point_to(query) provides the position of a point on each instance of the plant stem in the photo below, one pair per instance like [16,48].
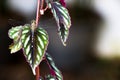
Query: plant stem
[37,73]
[39,7]
[37,21]
[38,13]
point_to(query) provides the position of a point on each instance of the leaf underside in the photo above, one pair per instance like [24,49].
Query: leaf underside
[33,43]
[63,20]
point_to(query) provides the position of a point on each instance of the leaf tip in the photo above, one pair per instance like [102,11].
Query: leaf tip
[33,70]
[64,44]
[11,49]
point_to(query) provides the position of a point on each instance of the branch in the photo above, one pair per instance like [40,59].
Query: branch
[39,7]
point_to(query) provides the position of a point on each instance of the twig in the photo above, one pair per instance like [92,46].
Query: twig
[39,7]
[38,13]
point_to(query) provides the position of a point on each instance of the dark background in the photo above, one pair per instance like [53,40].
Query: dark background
[77,61]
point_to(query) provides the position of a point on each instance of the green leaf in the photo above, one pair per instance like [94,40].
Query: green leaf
[32,40]
[16,46]
[34,45]
[50,77]
[63,20]
[15,34]
[57,74]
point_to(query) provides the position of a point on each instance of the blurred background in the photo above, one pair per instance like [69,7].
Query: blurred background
[93,47]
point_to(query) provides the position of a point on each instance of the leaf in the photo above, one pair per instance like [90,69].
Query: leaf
[63,20]
[16,46]
[57,74]
[32,40]
[50,77]
[15,34]
[34,45]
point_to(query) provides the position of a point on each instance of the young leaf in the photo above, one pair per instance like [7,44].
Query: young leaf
[57,73]
[15,34]
[63,20]
[34,45]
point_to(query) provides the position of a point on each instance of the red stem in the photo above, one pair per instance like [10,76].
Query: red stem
[42,4]
[37,21]
[39,7]
[38,13]
[37,73]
